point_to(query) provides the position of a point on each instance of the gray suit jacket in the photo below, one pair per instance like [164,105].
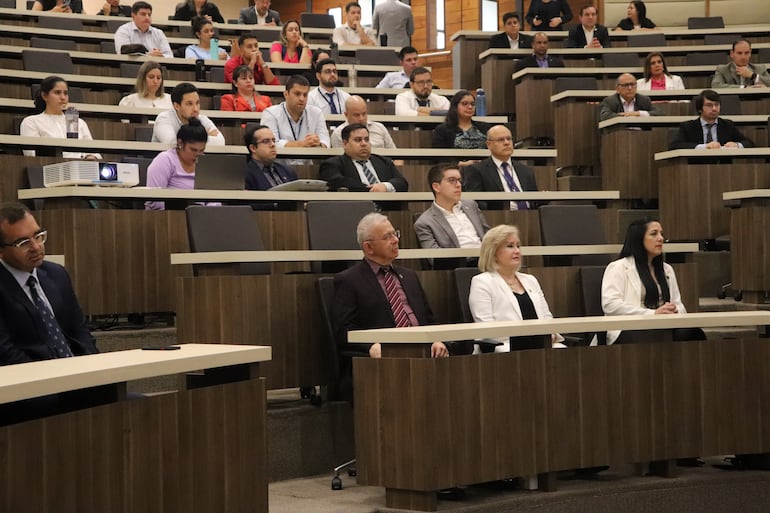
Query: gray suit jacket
[725,75]
[434,231]
[612,106]
[394,19]
[248,16]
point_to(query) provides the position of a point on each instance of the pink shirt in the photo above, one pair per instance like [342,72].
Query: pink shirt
[278,47]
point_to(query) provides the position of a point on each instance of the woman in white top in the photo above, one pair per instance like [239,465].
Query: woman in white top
[502,293]
[656,75]
[641,283]
[149,89]
[48,121]
[203,29]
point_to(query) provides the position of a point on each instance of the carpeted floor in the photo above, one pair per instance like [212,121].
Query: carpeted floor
[618,490]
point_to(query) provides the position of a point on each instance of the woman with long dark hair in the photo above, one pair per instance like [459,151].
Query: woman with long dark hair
[636,17]
[656,75]
[48,121]
[192,8]
[459,129]
[640,282]
[203,29]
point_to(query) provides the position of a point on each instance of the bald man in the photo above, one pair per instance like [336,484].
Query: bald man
[626,101]
[356,112]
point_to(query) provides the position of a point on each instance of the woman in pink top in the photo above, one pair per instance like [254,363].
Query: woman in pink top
[292,47]
[656,75]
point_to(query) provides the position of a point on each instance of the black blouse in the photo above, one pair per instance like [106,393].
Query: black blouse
[186,13]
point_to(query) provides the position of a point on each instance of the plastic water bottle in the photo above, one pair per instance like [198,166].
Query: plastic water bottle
[214,49]
[71,118]
[335,52]
[481,102]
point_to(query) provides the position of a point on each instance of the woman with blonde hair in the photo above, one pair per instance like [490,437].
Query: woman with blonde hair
[503,293]
[292,47]
[149,89]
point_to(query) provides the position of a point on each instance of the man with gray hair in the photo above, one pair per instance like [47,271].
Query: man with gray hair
[626,101]
[376,294]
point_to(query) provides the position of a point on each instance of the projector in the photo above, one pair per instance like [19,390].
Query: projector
[91,172]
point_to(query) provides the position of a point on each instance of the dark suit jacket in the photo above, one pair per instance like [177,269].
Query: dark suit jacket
[444,135]
[248,16]
[22,338]
[691,134]
[531,62]
[184,12]
[612,106]
[483,177]
[340,171]
[255,175]
[501,41]
[360,302]
[577,38]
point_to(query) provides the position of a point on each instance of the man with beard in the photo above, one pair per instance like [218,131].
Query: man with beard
[327,96]
[419,100]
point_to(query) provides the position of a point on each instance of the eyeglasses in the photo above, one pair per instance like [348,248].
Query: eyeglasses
[388,236]
[628,85]
[454,180]
[264,141]
[25,244]
[423,82]
[501,139]
[329,72]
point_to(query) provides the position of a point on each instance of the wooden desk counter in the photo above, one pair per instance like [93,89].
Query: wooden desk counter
[749,243]
[200,449]
[691,183]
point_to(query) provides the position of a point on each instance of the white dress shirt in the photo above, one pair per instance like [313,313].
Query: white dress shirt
[406,103]
[501,176]
[167,124]
[379,136]
[394,80]
[54,126]
[318,97]
[345,35]
[134,100]
[461,225]
[285,129]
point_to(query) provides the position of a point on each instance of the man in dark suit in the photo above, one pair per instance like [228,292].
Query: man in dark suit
[539,57]
[259,14]
[263,172]
[497,173]
[709,131]
[626,101]
[374,293]
[510,38]
[588,34]
[27,285]
[358,170]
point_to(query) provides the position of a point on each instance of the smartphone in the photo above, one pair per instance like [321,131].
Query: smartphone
[160,348]
[66,3]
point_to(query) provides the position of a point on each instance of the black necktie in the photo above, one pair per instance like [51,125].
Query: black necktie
[332,105]
[423,103]
[709,137]
[54,336]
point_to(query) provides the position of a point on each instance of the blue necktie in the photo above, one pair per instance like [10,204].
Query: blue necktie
[54,336]
[331,103]
[520,205]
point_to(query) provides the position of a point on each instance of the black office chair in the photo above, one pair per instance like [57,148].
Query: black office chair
[49,62]
[720,39]
[340,362]
[316,20]
[562,225]
[376,56]
[143,133]
[711,22]
[114,24]
[562,84]
[332,225]
[463,277]
[129,69]
[107,47]
[60,22]
[620,60]
[35,180]
[656,39]
[8,4]
[52,44]
[705,59]
[591,288]
[230,228]
[76,94]
[217,75]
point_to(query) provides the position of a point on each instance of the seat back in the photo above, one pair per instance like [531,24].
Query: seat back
[107,47]
[35,179]
[113,24]
[620,60]
[227,228]
[217,75]
[720,39]
[564,225]
[143,133]
[332,225]
[49,62]
[709,22]
[730,105]
[463,277]
[76,94]
[8,4]
[52,44]
[656,39]
[705,59]
[334,389]
[376,56]
[129,69]
[763,55]
[575,83]
[591,288]
[60,22]
[316,20]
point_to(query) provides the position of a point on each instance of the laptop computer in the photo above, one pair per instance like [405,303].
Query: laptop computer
[303,184]
[221,172]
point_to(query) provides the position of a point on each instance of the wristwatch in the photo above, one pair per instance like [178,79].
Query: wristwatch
[753,77]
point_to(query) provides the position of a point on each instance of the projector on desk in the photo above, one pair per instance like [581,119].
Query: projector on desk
[91,172]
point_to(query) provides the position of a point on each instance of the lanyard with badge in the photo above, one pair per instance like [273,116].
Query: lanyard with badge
[291,123]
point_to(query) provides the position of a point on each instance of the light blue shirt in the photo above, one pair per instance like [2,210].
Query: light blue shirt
[21,278]
[394,80]
[285,129]
[129,34]
[196,52]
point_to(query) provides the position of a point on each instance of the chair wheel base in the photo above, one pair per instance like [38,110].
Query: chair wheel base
[352,472]
[336,483]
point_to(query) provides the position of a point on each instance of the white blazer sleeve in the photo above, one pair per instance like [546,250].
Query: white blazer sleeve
[617,293]
[482,301]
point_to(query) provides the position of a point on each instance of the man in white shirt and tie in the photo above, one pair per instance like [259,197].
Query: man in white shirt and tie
[498,173]
[327,96]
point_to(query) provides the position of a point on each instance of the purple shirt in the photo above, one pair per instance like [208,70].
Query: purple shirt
[166,172]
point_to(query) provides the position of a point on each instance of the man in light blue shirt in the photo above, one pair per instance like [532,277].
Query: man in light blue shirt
[140,31]
[400,79]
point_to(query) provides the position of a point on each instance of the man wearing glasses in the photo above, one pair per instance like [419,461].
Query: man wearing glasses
[419,100]
[327,96]
[374,293]
[40,318]
[497,172]
[626,101]
[263,172]
[451,222]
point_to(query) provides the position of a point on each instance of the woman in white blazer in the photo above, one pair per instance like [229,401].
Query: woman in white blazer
[656,75]
[501,292]
[641,283]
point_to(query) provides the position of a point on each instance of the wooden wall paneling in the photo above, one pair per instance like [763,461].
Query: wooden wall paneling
[749,247]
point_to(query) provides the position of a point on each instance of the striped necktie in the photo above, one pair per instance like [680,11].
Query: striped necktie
[520,205]
[54,336]
[394,298]
[370,176]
